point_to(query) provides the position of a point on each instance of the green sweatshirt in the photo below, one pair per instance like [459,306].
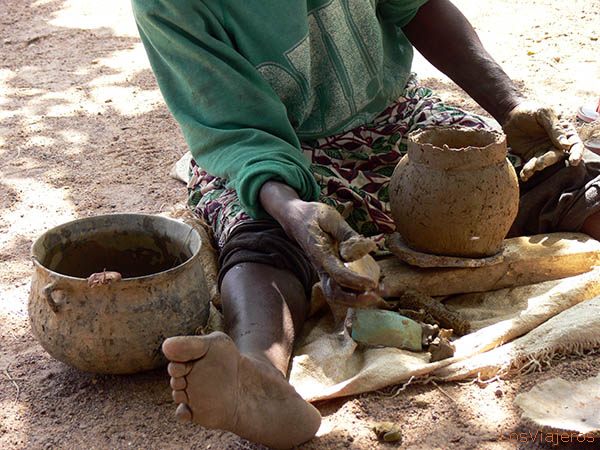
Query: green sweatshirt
[248,80]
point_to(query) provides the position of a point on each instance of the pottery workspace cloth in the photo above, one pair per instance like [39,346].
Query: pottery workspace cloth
[515,329]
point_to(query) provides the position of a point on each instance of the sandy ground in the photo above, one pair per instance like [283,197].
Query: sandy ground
[83,131]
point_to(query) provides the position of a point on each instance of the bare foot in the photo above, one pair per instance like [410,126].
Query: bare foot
[218,387]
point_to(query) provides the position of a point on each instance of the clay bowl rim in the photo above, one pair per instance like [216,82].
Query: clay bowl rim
[157,276]
[499,138]
[441,156]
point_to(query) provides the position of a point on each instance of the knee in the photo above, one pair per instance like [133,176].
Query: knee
[265,242]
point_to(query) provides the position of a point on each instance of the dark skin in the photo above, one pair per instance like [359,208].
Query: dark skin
[533,131]
[456,50]
[265,307]
[264,319]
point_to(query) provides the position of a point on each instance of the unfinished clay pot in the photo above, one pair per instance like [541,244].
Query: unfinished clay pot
[454,193]
[115,322]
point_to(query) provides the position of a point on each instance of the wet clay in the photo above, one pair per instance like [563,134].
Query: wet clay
[366,266]
[441,348]
[354,248]
[329,241]
[454,193]
[537,154]
[408,255]
[102,278]
[388,432]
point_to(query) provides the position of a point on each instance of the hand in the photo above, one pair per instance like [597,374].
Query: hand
[328,241]
[336,294]
[341,258]
[537,135]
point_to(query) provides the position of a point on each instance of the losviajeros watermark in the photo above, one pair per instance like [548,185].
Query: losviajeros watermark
[549,438]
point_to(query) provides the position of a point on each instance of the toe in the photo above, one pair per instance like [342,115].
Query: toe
[185,348]
[178,384]
[178,369]
[184,413]
[180,397]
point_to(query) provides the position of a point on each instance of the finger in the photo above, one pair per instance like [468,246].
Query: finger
[570,138]
[573,143]
[322,251]
[576,152]
[549,158]
[335,295]
[340,296]
[546,117]
[326,235]
[346,277]
[539,163]
[371,299]
[334,224]
[353,246]
[383,290]
[528,169]
[564,142]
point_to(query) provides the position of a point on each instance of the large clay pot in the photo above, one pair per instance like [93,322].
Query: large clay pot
[116,327]
[454,193]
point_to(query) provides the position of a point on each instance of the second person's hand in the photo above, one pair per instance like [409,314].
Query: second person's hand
[540,138]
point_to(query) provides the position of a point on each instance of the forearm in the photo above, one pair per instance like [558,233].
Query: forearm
[446,38]
[281,202]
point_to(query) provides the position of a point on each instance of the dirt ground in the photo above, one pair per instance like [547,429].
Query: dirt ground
[83,131]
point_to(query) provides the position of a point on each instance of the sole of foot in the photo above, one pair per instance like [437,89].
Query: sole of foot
[218,387]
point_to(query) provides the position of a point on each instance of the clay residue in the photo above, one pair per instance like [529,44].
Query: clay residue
[103,278]
[355,247]
[435,308]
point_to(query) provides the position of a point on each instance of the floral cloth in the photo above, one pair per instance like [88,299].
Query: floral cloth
[352,168]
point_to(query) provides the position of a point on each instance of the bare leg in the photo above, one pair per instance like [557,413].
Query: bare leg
[264,308]
[238,384]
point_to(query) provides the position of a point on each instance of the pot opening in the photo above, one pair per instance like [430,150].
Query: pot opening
[457,138]
[131,253]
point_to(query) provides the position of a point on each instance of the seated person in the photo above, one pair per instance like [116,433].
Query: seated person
[296,114]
